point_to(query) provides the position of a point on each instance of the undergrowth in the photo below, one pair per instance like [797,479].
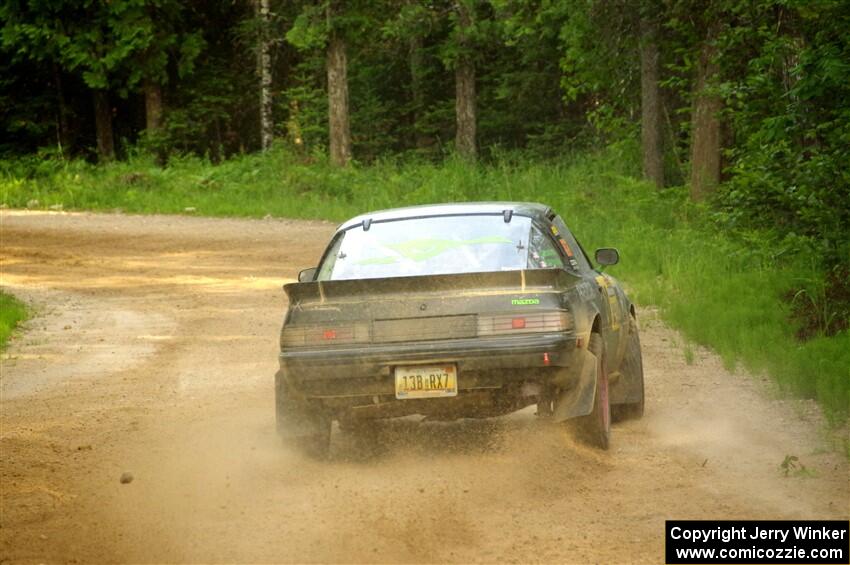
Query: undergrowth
[12,312]
[724,290]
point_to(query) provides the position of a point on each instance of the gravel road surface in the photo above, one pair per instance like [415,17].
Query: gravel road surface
[137,425]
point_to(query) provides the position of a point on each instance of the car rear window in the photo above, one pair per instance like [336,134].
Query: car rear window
[432,246]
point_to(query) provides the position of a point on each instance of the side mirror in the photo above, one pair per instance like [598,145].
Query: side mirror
[607,256]
[307,275]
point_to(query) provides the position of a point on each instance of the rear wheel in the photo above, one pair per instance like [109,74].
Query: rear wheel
[306,427]
[595,428]
[632,371]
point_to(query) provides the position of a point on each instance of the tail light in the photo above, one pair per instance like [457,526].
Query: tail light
[330,334]
[535,322]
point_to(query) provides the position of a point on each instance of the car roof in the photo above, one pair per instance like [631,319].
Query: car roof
[534,210]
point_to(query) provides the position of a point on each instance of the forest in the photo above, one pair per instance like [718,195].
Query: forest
[717,128]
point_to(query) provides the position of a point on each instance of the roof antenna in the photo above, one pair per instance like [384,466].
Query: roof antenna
[367,223]
[507,215]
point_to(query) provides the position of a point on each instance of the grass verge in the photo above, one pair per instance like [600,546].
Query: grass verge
[12,312]
[723,290]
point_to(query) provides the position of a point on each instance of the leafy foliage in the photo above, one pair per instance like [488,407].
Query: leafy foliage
[790,110]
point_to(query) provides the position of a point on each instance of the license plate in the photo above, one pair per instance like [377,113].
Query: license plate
[420,381]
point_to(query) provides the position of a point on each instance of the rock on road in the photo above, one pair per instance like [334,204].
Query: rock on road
[151,356]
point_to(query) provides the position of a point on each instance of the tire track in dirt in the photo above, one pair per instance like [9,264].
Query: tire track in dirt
[166,371]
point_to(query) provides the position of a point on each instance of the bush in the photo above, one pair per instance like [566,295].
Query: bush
[12,312]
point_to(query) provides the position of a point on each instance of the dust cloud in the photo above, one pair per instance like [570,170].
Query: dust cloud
[153,351]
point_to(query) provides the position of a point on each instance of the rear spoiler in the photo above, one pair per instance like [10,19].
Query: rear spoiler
[505,281]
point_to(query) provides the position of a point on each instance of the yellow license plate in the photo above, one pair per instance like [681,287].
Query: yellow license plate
[420,381]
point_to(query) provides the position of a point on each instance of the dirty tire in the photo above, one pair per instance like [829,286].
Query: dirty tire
[632,369]
[309,430]
[595,428]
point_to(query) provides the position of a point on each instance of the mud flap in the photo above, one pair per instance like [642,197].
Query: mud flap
[294,419]
[578,401]
[301,424]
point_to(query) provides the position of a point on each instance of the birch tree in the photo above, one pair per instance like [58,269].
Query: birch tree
[264,72]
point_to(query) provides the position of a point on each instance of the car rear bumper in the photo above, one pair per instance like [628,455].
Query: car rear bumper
[482,364]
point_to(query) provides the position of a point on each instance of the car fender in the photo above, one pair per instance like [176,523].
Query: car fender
[582,301]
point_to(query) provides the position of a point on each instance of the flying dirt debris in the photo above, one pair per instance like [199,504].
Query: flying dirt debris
[457,310]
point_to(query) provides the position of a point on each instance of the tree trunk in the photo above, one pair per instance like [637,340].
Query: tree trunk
[339,130]
[63,129]
[465,109]
[103,125]
[416,89]
[706,147]
[465,112]
[264,71]
[650,132]
[153,106]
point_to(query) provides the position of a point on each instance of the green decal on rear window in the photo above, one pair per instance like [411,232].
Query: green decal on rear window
[378,261]
[524,301]
[428,248]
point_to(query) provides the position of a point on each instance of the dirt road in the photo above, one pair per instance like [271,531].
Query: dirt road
[153,351]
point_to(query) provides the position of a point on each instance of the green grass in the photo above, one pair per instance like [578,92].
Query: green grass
[12,312]
[688,351]
[719,289]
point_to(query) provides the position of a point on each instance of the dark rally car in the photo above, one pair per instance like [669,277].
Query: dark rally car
[457,310]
